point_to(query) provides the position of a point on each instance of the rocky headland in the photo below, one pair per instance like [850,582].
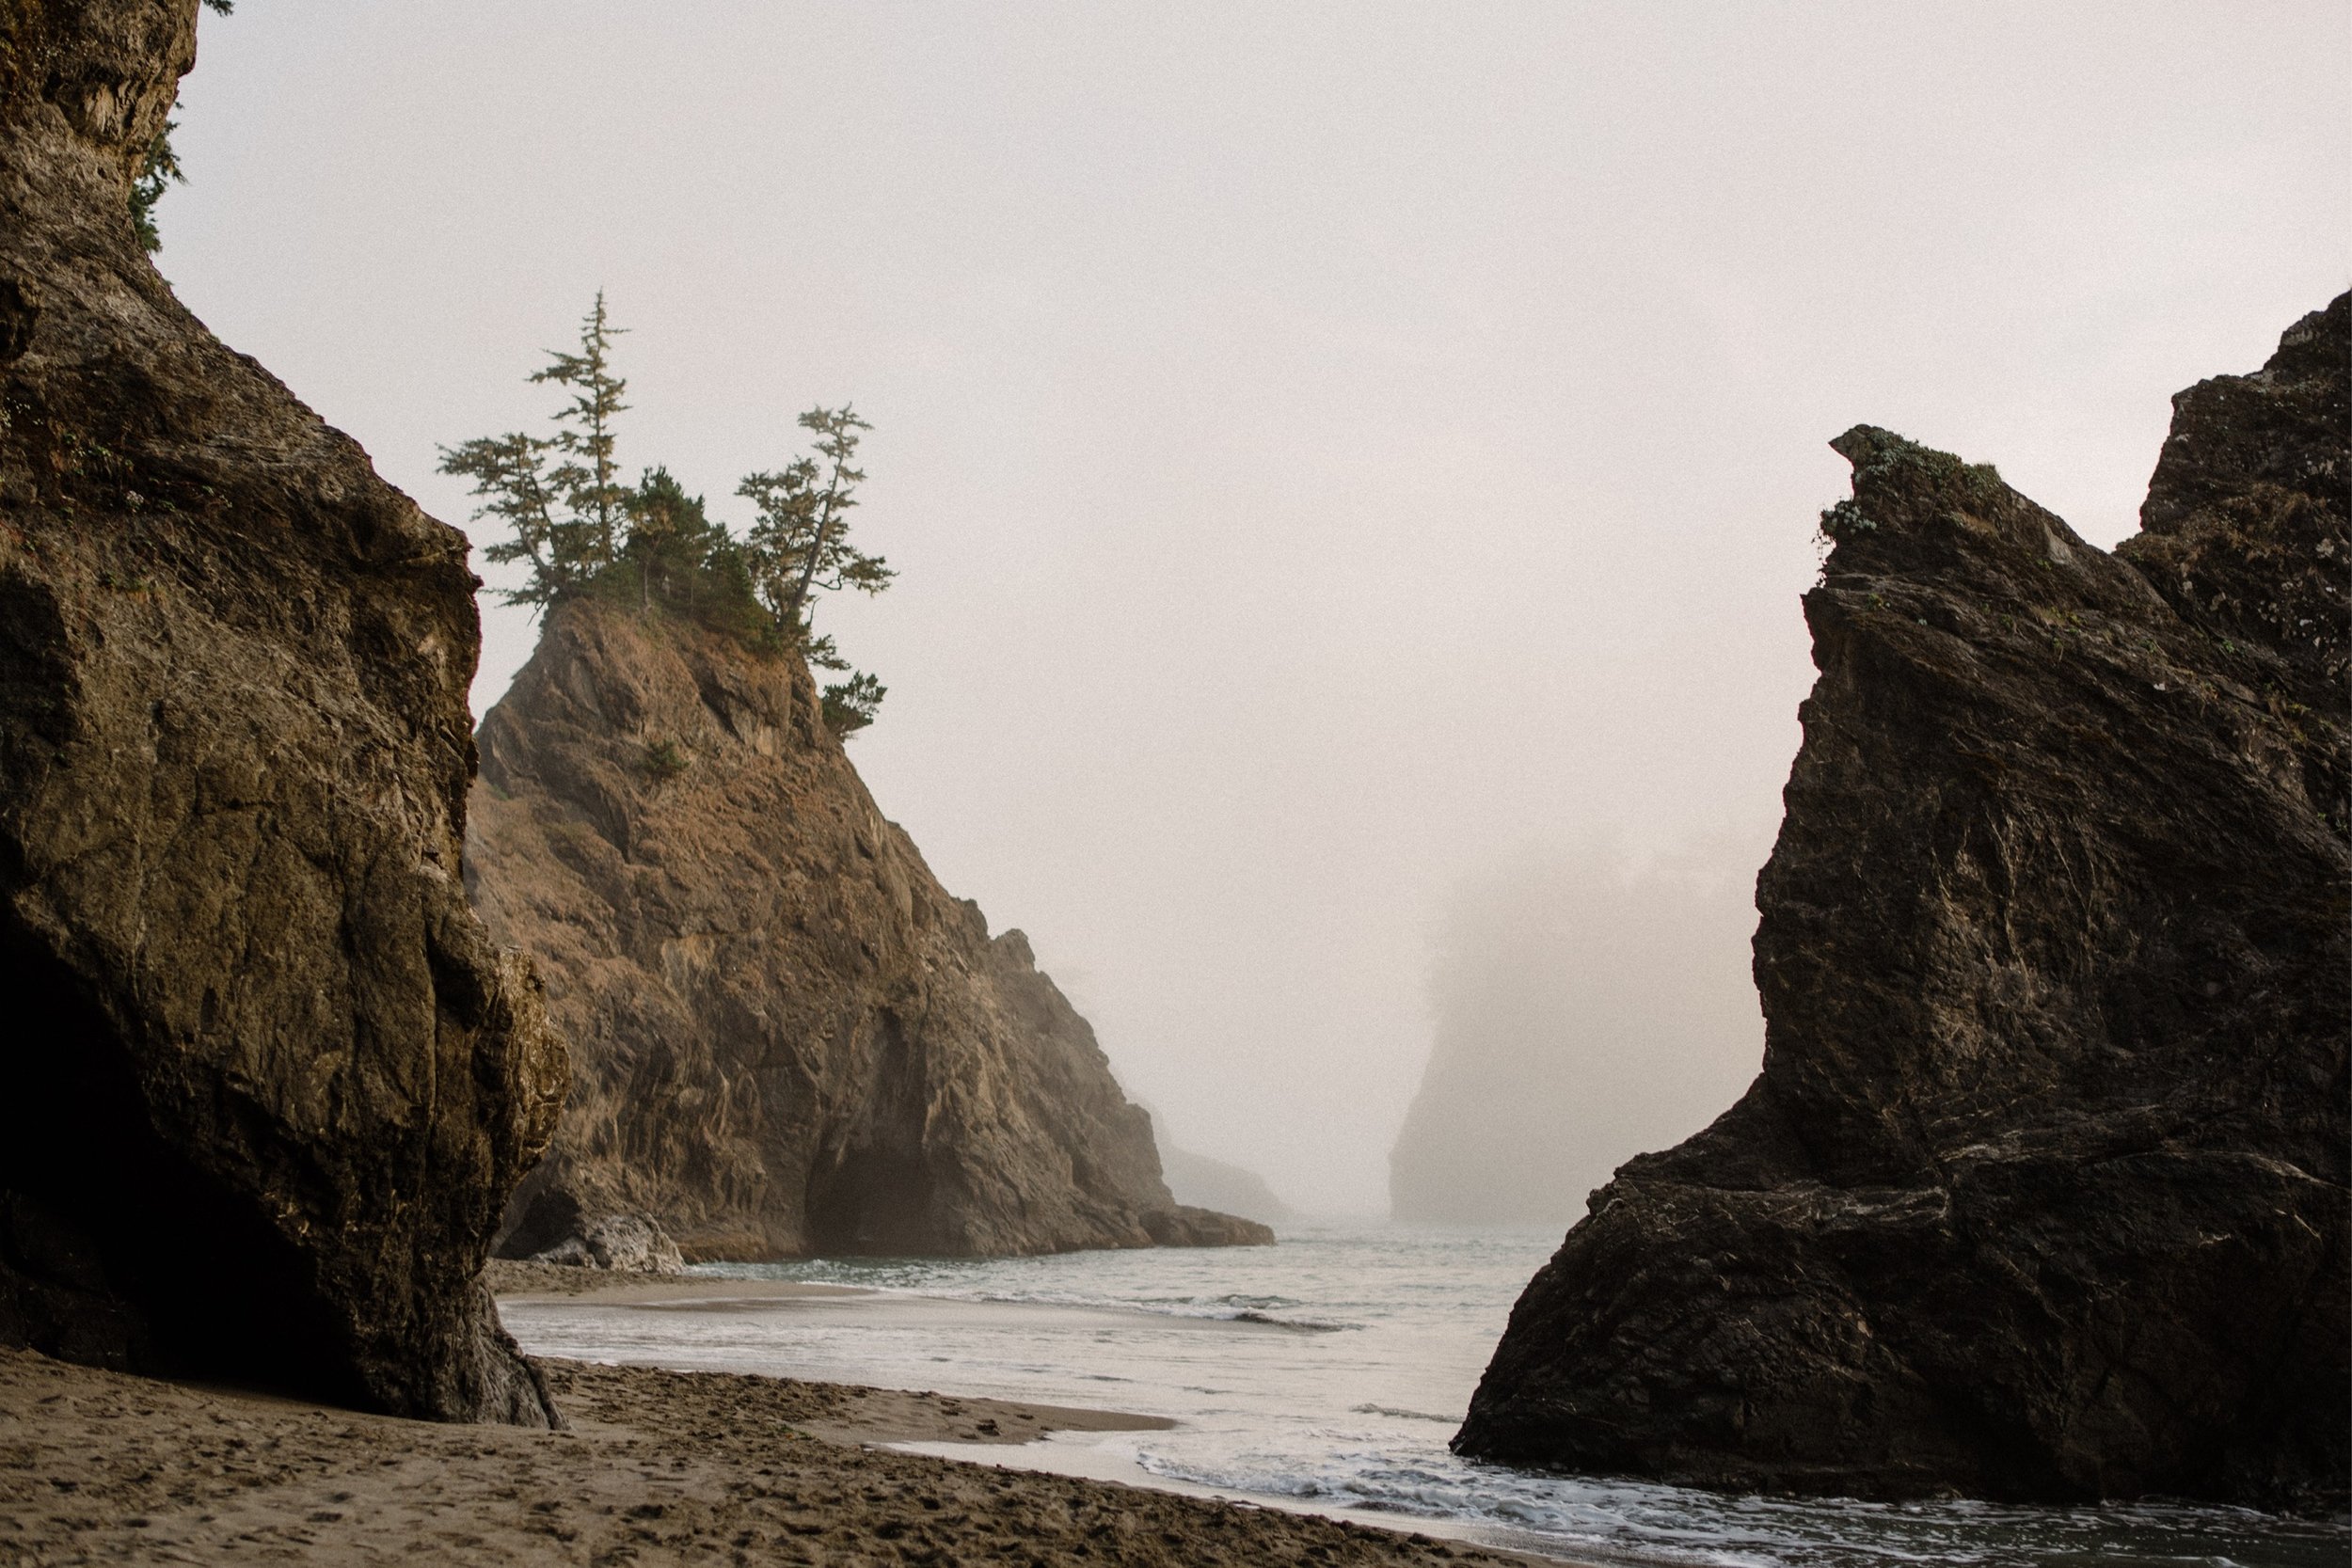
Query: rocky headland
[268,1084]
[2041,1193]
[788,1039]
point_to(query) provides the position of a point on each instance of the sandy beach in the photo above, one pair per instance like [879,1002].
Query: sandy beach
[658,1467]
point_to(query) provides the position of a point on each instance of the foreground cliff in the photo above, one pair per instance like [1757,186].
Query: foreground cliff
[2041,1193]
[264,1084]
[787,1037]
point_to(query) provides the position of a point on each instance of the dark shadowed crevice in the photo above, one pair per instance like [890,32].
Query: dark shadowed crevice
[876,1201]
[542,1215]
[117,1250]
[874,1195]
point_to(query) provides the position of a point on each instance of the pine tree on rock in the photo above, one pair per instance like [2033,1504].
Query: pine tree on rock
[563,521]
[577,528]
[510,474]
[801,545]
[685,562]
[588,478]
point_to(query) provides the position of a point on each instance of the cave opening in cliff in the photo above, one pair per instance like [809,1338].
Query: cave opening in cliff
[114,1247]
[873,1201]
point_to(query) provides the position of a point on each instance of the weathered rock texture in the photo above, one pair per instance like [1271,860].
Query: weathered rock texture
[2042,1192]
[787,1037]
[264,1083]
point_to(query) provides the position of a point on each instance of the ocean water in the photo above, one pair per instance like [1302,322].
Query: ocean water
[1327,1372]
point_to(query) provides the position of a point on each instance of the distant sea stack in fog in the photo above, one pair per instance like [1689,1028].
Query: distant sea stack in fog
[266,1083]
[788,1039]
[2041,1194]
[1206,1183]
[1585,1010]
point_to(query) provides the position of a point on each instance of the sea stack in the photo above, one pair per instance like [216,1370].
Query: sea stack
[1586,1008]
[2041,1193]
[787,1037]
[266,1084]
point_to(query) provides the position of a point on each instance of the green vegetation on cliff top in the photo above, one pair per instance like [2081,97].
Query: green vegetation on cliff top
[577,527]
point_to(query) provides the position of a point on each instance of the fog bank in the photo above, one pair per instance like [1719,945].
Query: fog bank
[1587,1007]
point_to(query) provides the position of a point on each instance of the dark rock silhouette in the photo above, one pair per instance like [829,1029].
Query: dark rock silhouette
[787,1037]
[264,1084]
[2041,1191]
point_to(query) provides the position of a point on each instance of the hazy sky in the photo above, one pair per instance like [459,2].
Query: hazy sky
[1332,452]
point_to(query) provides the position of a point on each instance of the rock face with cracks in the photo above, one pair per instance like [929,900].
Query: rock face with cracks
[787,1037]
[266,1082]
[2042,1192]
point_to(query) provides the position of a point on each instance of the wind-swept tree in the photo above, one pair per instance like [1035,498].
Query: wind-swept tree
[509,473]
[801,546]
[563,521]
[588,478]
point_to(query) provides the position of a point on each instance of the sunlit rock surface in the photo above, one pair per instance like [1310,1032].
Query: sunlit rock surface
[264,1083]
[2042,1192]
[789,1038]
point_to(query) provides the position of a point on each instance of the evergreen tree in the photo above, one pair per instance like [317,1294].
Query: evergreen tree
[589,479]
[851,705]
[577,529]
[800,544]
[510,472]
[158,172]
[684,562]
[662,518]
[563,521]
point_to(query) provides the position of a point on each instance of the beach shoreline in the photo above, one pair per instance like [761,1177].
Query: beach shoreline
[658,1466]
[968,1424]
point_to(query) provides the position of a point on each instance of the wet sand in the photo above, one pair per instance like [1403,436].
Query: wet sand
[660,1467]
[506,1277]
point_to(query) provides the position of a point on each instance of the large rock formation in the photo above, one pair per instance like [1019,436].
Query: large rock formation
[265,1083]
[787,1037]
[1586,1008]
[2041,1193]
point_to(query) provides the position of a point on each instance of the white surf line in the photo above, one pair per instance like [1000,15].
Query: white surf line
[1082,1456]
